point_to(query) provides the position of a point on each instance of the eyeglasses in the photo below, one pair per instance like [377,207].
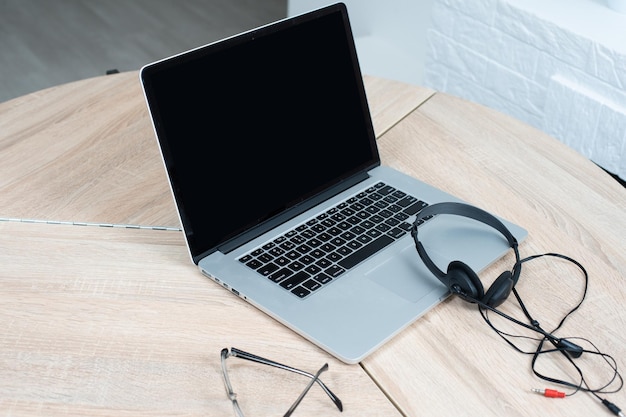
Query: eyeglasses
[248,356]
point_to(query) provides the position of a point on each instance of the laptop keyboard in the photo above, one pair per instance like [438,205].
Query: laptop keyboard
[320,250]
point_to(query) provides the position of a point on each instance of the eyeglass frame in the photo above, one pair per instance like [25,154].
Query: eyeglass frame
[225,354]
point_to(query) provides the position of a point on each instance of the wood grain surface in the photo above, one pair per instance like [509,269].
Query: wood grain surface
[107,321]
[118,321]
[450,362]
[86,151]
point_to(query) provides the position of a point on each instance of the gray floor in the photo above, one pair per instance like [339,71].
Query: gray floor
[49,42]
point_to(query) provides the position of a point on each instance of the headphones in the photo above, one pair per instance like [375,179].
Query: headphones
[460,278]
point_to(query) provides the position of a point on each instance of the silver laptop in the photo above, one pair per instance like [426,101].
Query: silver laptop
[269,148]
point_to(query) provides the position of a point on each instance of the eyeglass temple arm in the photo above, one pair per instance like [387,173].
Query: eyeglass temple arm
[254,358]
[306,389]
[229,388]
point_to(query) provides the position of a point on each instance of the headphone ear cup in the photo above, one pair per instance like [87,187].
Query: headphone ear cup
[499,290]
[466,280]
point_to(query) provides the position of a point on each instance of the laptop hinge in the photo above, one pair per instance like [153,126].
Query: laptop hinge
[289,214]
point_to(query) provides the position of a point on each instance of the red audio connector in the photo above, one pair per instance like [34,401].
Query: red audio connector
[549,393]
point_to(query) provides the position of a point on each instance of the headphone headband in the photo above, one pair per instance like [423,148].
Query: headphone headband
[464,210]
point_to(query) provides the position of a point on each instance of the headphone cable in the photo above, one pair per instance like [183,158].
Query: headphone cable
[569,349]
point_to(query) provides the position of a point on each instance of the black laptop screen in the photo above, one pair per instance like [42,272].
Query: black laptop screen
[255,125]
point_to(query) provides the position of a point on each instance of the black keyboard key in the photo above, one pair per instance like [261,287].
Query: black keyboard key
[323,263]
[301,292]
[354,244]
[357,207]
[348,236]
[344,251]
[296,265]
[415,208]
[344,225]
[378,231]
[394,208]
[401,216]
[338,217]
[407,201]
[280,275]
[265,258]
[327,247]
[313,269]
[303,249]
[334,271]
[307,259]
[365,252]
[386,190]
[314,243]
[396,233]
[312,285]
[391,199]
[385,213]
[358,230]
[322,278]
[295,280]
[324,237]
[364,238]
[298,240]
[405,226]
[334,231]
[354,220]
[347,212]
[287,245]
[334,257]
[328,222]
[392,221]
[276,251]
[266,270]
[376,218]
[254,264]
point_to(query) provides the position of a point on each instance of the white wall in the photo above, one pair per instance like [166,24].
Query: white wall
[390,35]
[558,65]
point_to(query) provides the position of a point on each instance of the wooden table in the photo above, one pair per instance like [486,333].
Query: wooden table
[104,313]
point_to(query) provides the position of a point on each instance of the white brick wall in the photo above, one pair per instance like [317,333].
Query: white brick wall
[558,65]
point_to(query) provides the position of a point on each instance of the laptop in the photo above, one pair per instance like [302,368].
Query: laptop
[270,152]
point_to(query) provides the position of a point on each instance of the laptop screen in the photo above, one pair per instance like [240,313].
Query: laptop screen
[254,126]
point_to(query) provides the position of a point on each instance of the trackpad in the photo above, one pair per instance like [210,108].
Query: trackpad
[405,275]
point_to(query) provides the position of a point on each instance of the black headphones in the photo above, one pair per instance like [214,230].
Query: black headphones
[460,278]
